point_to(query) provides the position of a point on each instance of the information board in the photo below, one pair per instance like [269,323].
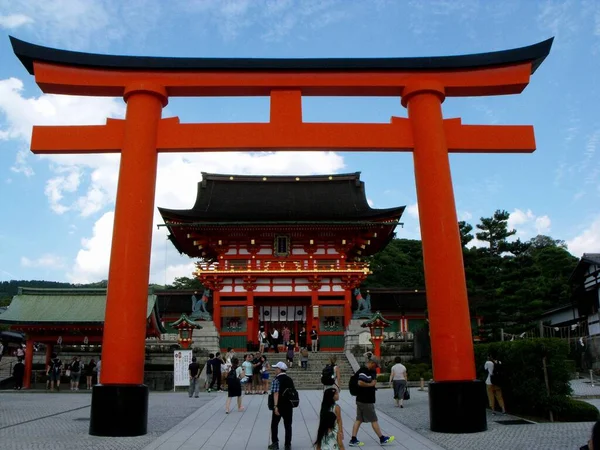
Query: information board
[181,361]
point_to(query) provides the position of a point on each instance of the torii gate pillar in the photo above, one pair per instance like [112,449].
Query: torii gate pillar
[119,405]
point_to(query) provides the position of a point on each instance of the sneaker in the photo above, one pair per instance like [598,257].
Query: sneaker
[273,447]
[386,439]
[356,443]
[209,390]
[287,447]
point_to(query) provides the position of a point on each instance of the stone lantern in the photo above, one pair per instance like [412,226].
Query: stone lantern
[185,327]
[376,325]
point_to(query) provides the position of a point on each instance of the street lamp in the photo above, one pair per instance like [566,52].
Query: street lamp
[185,328]
[376,325]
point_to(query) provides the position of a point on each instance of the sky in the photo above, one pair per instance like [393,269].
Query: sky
[58,210]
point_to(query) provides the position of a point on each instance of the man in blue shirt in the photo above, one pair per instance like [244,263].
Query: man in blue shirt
[365,403]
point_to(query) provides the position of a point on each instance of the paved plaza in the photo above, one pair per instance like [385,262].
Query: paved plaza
[39,420]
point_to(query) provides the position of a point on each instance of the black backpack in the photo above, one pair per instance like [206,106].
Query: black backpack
[291,395]
[497,376]
[328,375]
[353,384]
[231,375]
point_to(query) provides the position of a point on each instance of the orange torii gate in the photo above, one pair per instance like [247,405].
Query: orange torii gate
[119,405]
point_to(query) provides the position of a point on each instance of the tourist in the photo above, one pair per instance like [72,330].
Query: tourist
[234,387]
[262,339]
[290,353]
[247,380]
[194,373]
[229,355]
[328,436]
[75,373]
[20,353]
[302,337]
[18,374]
[285,334]
[365,403]
[216,364]
[304,358]
[208,370]
[256,373]
[98,370]
[398,380]
[314,339]
[275,340]
[282,409]
[1,350]
[329,405]
[53,371]
[264,371]
[492,383]
[89,373]
[225,366]
[335,375]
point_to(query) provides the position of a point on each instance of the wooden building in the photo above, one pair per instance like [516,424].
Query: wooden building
[278,250]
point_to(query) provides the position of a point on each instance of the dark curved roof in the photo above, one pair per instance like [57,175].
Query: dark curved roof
[28,53]
[235,198]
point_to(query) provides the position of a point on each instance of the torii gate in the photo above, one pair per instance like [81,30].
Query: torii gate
[119,405]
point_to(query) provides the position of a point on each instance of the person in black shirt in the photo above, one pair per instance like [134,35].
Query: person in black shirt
[216,372]
[365,403]
[18,374]
[282,408]
[194,372]
[302,338]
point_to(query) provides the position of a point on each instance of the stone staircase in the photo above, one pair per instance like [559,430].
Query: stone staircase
[311,378]
[6,366]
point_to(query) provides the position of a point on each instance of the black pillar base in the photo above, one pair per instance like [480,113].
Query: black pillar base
[119,410]
[457,406]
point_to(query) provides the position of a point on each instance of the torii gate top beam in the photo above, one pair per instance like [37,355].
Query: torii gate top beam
[76,73]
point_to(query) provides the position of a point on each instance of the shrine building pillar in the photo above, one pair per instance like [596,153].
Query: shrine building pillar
[251,332]
[120,403]
[217,309]
[455,390]
[28,362]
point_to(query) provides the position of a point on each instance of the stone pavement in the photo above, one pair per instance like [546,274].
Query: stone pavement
[583,388]
[536,436]
[39,420]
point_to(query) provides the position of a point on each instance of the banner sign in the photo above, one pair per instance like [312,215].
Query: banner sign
[181,362]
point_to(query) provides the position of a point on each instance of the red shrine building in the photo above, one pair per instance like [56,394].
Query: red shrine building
[281,250]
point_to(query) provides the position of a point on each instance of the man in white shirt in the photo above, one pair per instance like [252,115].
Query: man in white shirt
[275,340]
[494,391]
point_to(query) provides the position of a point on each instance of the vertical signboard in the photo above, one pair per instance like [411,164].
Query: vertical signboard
[181,361]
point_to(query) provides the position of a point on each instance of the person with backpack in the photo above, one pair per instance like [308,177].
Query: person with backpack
[75,373]
[493,383]
[234,384]
[331,373]
[208,371]
[53,372]
[284,400]
[304,358]
[216,363]
[362,384]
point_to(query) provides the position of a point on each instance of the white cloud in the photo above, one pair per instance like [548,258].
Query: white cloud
[370,202]
[465,215]
[12,21]
[47,261]
[413,210]
[527,224]
[588,241]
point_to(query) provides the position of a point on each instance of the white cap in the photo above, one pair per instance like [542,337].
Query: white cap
[281,365]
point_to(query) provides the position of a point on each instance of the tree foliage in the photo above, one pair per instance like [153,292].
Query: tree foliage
[509,282]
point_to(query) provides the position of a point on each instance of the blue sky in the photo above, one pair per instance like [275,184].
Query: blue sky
[58,210]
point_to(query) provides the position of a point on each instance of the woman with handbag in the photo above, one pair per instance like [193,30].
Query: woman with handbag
[398,378]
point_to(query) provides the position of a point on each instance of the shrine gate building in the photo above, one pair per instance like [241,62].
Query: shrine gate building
[278,250]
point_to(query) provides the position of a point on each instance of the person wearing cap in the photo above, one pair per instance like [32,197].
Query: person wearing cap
[365,403]
[281,409]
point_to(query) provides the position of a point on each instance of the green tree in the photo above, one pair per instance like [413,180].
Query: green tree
[399,265]
[181,283]
[465,233]
[494,231]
